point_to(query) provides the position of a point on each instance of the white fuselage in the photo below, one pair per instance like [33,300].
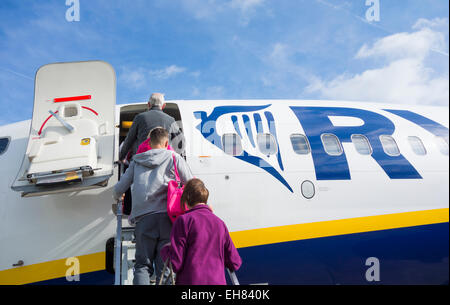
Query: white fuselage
[43,229]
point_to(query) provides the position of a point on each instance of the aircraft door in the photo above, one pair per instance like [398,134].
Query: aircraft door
[72,135]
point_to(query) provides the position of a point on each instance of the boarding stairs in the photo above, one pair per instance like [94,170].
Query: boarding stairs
[124,249]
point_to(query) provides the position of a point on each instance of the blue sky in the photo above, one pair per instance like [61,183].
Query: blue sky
[233,49]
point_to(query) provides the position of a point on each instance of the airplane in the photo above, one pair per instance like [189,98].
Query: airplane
[312,191]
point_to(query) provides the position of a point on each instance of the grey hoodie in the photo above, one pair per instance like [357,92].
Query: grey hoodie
[148,175]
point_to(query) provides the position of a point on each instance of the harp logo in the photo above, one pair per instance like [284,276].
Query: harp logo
[248,122]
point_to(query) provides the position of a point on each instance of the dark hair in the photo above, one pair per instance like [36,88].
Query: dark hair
[194,192]
[158,135]
[150,131]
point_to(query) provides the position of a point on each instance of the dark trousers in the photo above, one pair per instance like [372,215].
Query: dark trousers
[127,204]
[151,232]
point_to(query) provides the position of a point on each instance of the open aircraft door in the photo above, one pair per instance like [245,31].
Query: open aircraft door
[72,134]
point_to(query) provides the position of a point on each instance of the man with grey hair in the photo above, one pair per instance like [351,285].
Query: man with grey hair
[146,121]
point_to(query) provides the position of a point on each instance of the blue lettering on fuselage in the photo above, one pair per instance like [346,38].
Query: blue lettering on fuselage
[315,122]
[431,126]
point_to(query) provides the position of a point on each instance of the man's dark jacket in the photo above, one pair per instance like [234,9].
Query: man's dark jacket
[146,121]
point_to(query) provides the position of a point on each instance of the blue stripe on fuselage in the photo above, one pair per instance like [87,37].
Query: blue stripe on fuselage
[413,255]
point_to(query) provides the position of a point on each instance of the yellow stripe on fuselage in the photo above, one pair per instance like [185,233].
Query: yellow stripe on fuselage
[247,238]
[280,234]
[50,270]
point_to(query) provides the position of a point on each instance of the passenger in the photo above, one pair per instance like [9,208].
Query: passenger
[146,121]
[145,146]
[148,175]
[200,246]
[142,124]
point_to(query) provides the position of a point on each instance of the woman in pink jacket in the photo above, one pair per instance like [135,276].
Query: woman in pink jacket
[200,246]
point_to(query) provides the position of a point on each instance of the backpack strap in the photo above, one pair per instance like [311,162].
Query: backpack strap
[177,176]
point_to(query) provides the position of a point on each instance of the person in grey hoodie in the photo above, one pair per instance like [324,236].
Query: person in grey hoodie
[148,175]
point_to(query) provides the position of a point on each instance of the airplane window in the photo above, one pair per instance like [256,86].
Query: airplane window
[417,146]
[300,144]
[232,144]
[331,144]
[4,142]
[389,146]
[267,144]
[442,144]
[362,144]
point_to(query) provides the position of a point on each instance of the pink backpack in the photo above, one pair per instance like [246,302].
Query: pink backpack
[174,192]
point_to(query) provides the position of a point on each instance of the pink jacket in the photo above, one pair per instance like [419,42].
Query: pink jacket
[200,248]
[145,146]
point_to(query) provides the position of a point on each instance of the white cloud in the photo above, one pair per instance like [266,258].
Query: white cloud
[202,9]
[133,77]
[214,92]
[195,92]
[405,45]
[404,81]
[140,77]
[246,9]
[195,74]
[245,5]
[167,72]
[279,53]
[208,93]
[439,23]
[406,77]
[210,9]
[283,70]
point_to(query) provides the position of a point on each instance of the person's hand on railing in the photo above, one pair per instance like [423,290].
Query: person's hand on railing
[117,200]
